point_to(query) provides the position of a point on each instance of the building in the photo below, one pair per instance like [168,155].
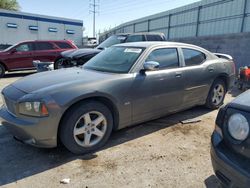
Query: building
[217,25]
[20,26]
[203,18]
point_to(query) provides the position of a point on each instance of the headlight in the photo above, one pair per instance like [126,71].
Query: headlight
[238,126]
[33,109]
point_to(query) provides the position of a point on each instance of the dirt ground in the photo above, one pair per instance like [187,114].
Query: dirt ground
[160,153]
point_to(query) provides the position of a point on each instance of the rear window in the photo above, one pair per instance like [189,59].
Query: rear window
[63,45]
[154,38]
[135,38]
[44,46]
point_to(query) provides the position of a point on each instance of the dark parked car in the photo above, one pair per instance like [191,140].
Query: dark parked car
[72,58]
[123,85]
[20,56]
[230,151]
[79,57]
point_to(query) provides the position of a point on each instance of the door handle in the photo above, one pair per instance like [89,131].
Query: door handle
[211,69]
[178,74]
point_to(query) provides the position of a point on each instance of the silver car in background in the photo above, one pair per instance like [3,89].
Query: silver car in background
[124,85]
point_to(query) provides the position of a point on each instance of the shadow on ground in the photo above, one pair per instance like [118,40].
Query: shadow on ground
[235,91]
[18,161]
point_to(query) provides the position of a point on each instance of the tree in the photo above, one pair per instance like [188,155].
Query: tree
[9,5]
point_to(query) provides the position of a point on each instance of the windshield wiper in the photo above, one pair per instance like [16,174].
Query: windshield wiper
[100,48]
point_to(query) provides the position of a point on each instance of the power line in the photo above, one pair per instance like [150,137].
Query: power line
[132,7]
[93,7]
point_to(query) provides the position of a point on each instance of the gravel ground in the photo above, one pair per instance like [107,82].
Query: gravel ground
[160,153]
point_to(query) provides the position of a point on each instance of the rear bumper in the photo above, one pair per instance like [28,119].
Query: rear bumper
[33,131]
[230,172]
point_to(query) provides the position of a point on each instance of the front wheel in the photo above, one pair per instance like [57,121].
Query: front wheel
[86,127]
[216,94]
[60,63]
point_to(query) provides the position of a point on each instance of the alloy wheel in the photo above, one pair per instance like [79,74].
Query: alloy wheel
[218,94]
[90,129]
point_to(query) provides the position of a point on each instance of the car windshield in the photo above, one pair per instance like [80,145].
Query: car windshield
[115,39]
[115,59]
[10,47]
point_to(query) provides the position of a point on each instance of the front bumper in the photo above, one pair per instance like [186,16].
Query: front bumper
[228,167]
[39,132]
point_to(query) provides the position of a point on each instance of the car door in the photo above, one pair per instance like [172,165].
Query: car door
[21,56]
[158,92]
[45,52]
[197,77]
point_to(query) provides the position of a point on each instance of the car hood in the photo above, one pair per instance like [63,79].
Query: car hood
[242,101]
[59,79]
[79,52]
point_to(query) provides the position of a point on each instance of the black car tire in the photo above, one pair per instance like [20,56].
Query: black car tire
[2,71]
[210,102]
[74,117]
[240,86]
[56,63]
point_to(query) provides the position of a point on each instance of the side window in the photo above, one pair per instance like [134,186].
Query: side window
[63,45]
[154,38]
[193,57]
[44,46]
[24,47]
[135,38]
[166,57]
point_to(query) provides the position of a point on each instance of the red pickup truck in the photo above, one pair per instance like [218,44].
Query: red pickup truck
[21,56]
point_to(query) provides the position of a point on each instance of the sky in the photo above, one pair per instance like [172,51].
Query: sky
[111,13]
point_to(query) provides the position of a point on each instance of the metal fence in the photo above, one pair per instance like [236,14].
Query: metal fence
[204,18]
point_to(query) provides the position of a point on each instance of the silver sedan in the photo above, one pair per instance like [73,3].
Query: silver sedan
[122,86]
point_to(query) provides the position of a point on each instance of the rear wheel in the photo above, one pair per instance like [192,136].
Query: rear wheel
[86,127]
[240,86]
[2,71]
[216,94]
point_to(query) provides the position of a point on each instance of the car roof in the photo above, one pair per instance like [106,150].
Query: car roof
[150,44]
[45,41]
[147,44]
[141,33]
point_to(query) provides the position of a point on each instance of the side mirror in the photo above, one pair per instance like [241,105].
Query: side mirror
[13,51]
[151,66]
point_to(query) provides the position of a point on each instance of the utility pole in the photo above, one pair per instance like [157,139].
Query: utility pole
[93,7]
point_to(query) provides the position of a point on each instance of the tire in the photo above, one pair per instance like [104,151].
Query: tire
[2,71]
[240,86]
[216,94]
[80,133]
[57,64]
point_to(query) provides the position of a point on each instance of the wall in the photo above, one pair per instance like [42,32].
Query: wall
[236,45]
[217,25]
[203,18]
[23,32]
